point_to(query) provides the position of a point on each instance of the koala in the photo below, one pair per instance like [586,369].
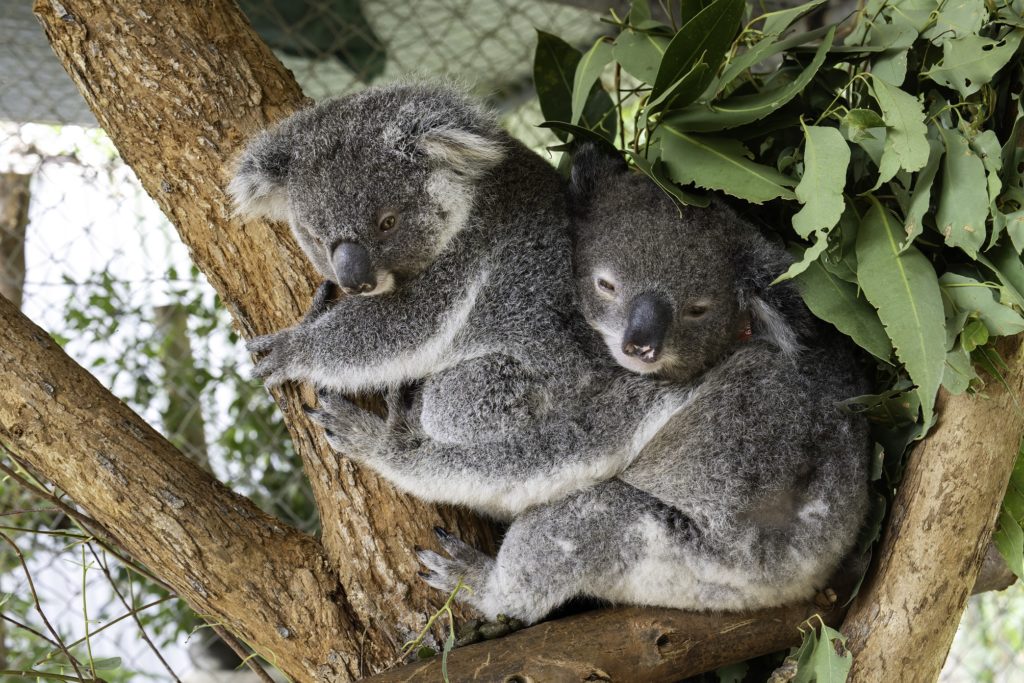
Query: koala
[450,243]
[408,200]
[752,493]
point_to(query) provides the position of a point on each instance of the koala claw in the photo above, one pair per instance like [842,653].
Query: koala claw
[464,563]
[273,365]
[349,429]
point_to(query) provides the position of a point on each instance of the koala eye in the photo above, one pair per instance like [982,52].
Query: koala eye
[604,286]
[387,223]
[696,310]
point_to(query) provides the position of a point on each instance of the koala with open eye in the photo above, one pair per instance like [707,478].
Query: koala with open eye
[451,242]
[412,201]
[754,490]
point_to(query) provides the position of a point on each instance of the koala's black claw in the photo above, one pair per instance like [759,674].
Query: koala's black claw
[308,410]
[418,548]
[328,433]
[423,575]
[321,392]
[441,533]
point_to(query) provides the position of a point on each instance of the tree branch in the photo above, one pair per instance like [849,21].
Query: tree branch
[179,87]
[228,559]
[902,624]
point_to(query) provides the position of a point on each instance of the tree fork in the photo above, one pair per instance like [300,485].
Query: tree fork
[231,562]
[180,87]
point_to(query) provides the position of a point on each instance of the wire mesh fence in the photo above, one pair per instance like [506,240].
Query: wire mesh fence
[91,259]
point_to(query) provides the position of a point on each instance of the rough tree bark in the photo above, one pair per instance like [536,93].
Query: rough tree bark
[232,562]
[904,620]
[179,87]
[14,198]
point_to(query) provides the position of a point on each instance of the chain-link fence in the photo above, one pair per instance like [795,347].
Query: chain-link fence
[91,259]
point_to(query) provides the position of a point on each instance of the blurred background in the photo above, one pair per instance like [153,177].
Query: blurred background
[91,259]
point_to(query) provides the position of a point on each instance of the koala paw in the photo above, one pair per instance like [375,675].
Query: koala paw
[350,430]
[464,562]
[272,367]
[325,297]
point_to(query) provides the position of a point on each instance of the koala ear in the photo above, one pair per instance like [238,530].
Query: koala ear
[590,165]
[777,311]
[464,151]
[258,187]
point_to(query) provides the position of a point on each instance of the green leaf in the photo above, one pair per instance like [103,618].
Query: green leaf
[803,656]
[682,92]
[640,53]
[920,199]
[106,663]
[959,371]
[1009,539]
[777,22]
[720,164]
[554,68]
[831,660]
[904,289]
[588,71]
[579,133]
[963,203]
[762,50]
[839,302]
[810,255]
[710,33]
[732,673]
[656,171]
[906,144]
[820,190]
[743,109]
[957,18]
[971,61]
[600,114]
[855,125]
[976,297]
[639,11]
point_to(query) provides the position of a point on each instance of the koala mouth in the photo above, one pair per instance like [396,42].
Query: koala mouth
[385,284]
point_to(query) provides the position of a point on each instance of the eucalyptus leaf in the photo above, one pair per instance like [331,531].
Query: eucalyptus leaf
[743,109]
[904,289]
[959,371]
[655,170]
[720,164]
[640,53]
[831,660]
[554,68]
[709,33]
[810,255]
[920,199]
[856,124]
[840,303]
[588,71]
[1009,539]
[955,19]
[762,50]
[976,297]
[820,190]
[963,203]
[971,61]
[906,144]
[777,22]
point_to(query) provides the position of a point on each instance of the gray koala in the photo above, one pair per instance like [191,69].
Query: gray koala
[754,490]
[407,198]
[451,241]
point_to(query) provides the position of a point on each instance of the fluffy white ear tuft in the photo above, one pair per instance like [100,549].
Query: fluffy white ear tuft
[769,324]
[258,187]
[463,151]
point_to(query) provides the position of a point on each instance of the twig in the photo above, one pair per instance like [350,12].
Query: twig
[239,650]
[39,608]
[134,612]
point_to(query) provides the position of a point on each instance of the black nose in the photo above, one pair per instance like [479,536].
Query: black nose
[353,267]
[646,326]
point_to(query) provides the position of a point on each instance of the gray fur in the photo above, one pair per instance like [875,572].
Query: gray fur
[511,406]
[754,491]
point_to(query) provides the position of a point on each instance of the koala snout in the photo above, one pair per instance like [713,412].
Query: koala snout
[352,265]
[646,326]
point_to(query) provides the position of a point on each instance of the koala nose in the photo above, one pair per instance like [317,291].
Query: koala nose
[353,267]
[646,326]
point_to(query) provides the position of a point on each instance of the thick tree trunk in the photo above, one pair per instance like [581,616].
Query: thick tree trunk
[179,87]
[903,622]
[231,561]
[14,196]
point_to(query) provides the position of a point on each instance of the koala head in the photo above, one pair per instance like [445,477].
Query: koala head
[671,294]
[374,185]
